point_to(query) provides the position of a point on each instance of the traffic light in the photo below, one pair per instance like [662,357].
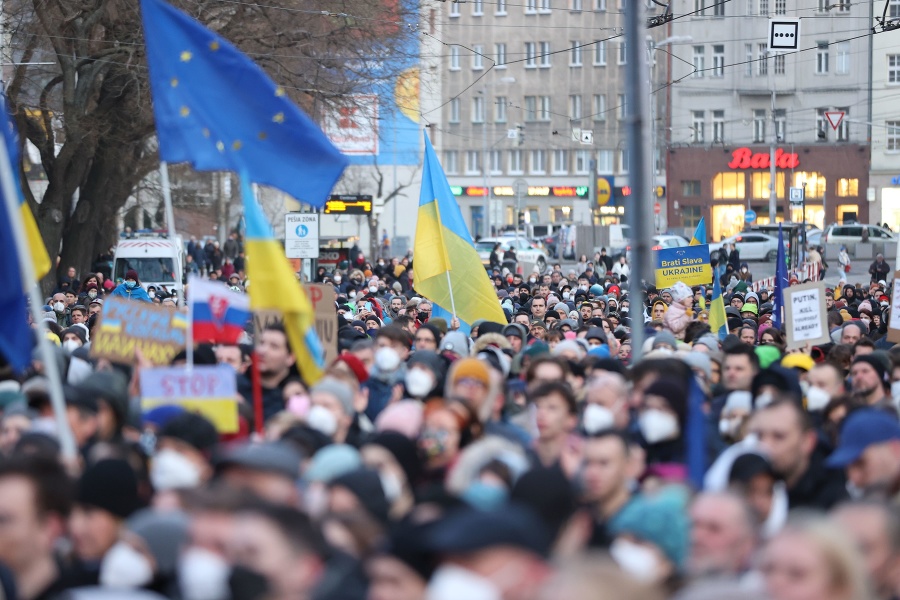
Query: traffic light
[521,134]
[521,218]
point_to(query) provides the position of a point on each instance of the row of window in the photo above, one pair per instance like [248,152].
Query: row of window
[539,108]
[757,58]
[761,119]
[762,7]
[559,162]
[538,55]
[533,7]
[732,185]
[893,135]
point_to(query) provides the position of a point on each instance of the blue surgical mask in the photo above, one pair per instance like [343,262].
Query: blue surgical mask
[130,284]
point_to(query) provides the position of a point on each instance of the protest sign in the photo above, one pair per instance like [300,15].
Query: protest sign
[805,317]
[893,334]
[128,325]
[688,264]
[208,390]
[322,297]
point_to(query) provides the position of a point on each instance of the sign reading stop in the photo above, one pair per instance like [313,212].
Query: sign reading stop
[657,208]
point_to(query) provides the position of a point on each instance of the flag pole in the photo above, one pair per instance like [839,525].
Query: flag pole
[57,400]
[452,301]
[189,339]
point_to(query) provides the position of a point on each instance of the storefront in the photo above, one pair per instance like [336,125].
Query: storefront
[721,184]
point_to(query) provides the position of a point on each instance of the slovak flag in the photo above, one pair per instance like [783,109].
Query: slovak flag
[217,313]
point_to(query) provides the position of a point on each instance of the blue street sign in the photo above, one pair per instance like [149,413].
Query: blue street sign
[749,216]
[302,231]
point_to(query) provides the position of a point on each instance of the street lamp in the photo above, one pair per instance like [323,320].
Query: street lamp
[485,157]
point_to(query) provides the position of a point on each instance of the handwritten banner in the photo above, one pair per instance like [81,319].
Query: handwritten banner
[805,316]
[128,325]
[207,390]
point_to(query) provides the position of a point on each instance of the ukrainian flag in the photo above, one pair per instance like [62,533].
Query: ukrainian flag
[448,270]
[699,233]
[718,321]
[275,287]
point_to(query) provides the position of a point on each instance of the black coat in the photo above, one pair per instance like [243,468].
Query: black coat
[819,487]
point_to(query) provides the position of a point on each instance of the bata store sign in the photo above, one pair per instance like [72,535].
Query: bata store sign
[745,158]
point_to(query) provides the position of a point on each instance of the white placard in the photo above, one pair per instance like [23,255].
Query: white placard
[805,315]
[894,321]
[301,235]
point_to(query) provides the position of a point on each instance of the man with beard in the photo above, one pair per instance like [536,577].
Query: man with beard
[276,361]
[871,383]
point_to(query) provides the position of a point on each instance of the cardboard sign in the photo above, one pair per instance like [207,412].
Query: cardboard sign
[805,317]
[893,334]
[688,264]
[128,325]
[322,297]
[209,391]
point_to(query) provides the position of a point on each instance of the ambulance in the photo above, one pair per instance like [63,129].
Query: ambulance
[158,260]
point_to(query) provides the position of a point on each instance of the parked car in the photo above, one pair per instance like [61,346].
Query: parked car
[525,251]
[658,242]
[752,245]
[851,233]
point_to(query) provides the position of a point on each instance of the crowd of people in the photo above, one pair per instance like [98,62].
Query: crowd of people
[531,459]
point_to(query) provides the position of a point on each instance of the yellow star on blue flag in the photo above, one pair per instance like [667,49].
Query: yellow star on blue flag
[217,110]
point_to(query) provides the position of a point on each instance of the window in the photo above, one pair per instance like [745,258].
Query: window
[544,114]
[718,125]
[599,108]
[574,53]
[843,130]
[751,7]
[718,8]
[545,6]
[582,162]
[718,61]
[842,58]
[698,126]
[472,166]
[478,57]
[454,9]
[893,135]
[500,9]
[500,109]
[577,5]
[531,108]
[560,162]
[599,4]
[515,162]
[500,56]
[699,61]
[759,126]
[451,161]
[728,186]
[893,68]
[620,106]
[478,109]
[780,7]
[822,125]
[530,7]
[690,188]
[454,58]
[545,54]
[847,188]
[843,6]
[823,5]
[815,183]
[780,124]
[496,160]
[538,162]
[759,185]
[748,58]
[623,161]
[454,110]
[605,157]
[575,108]
[821,58]
[477,8]
[762,51]
[600,53]
[622,59]
[894,9]
[779,64]
[699,7]
[530,55]
[690,216]
[763,7]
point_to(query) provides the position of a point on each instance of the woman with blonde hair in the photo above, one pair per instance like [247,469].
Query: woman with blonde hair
[812,559]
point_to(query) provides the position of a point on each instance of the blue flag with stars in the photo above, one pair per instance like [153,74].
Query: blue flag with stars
[217,110]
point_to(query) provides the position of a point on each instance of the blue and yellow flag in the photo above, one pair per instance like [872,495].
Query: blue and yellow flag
[448,270]
[218,111]
[699,233]
[275,287]
[781,281]
[718,321]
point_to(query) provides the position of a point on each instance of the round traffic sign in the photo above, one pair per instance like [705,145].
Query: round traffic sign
[657,208]
[749,216]
[302,230]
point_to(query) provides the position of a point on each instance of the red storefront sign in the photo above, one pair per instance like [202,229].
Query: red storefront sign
[745,158]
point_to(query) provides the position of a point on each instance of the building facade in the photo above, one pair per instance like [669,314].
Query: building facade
[723,122]
[547,118]
[885,126]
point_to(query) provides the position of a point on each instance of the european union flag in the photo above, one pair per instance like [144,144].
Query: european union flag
[218,111]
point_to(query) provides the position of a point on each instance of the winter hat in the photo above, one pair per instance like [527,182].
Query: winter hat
[112,388]
[596,333]
[76,331]
[680,291]
[663,338]
[750,308]
[709,341]
[674,393]
[549,493]
[192,429]
[403,449]
[331,462]
[164,533]
[768,355]
[877,362]
[455,341]
[751,295]
[798,360]
[338,389]
[131,274]
[110,485]
[356,366]
[596,290]
[366,485]
[660,519]
[613,290]
[405,416]
[471,368]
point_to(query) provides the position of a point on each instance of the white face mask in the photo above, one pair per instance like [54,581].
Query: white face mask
[373,289]
[391,485]
[59,307]
[170,470]
[322,420]
[657,426]
[532,280]
[203,575]
[636,560]
[597,418]
[152,294]
[70,346]
[125,567]
[337,278]
[315,500]
[817,399]
[418,382]
[763,400]
[387,359]
[450,582]
[895,389]
[565,295]
[728,427]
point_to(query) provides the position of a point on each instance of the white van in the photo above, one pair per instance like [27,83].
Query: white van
[158,260]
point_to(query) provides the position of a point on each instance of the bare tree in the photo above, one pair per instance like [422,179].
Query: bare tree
[88,111]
